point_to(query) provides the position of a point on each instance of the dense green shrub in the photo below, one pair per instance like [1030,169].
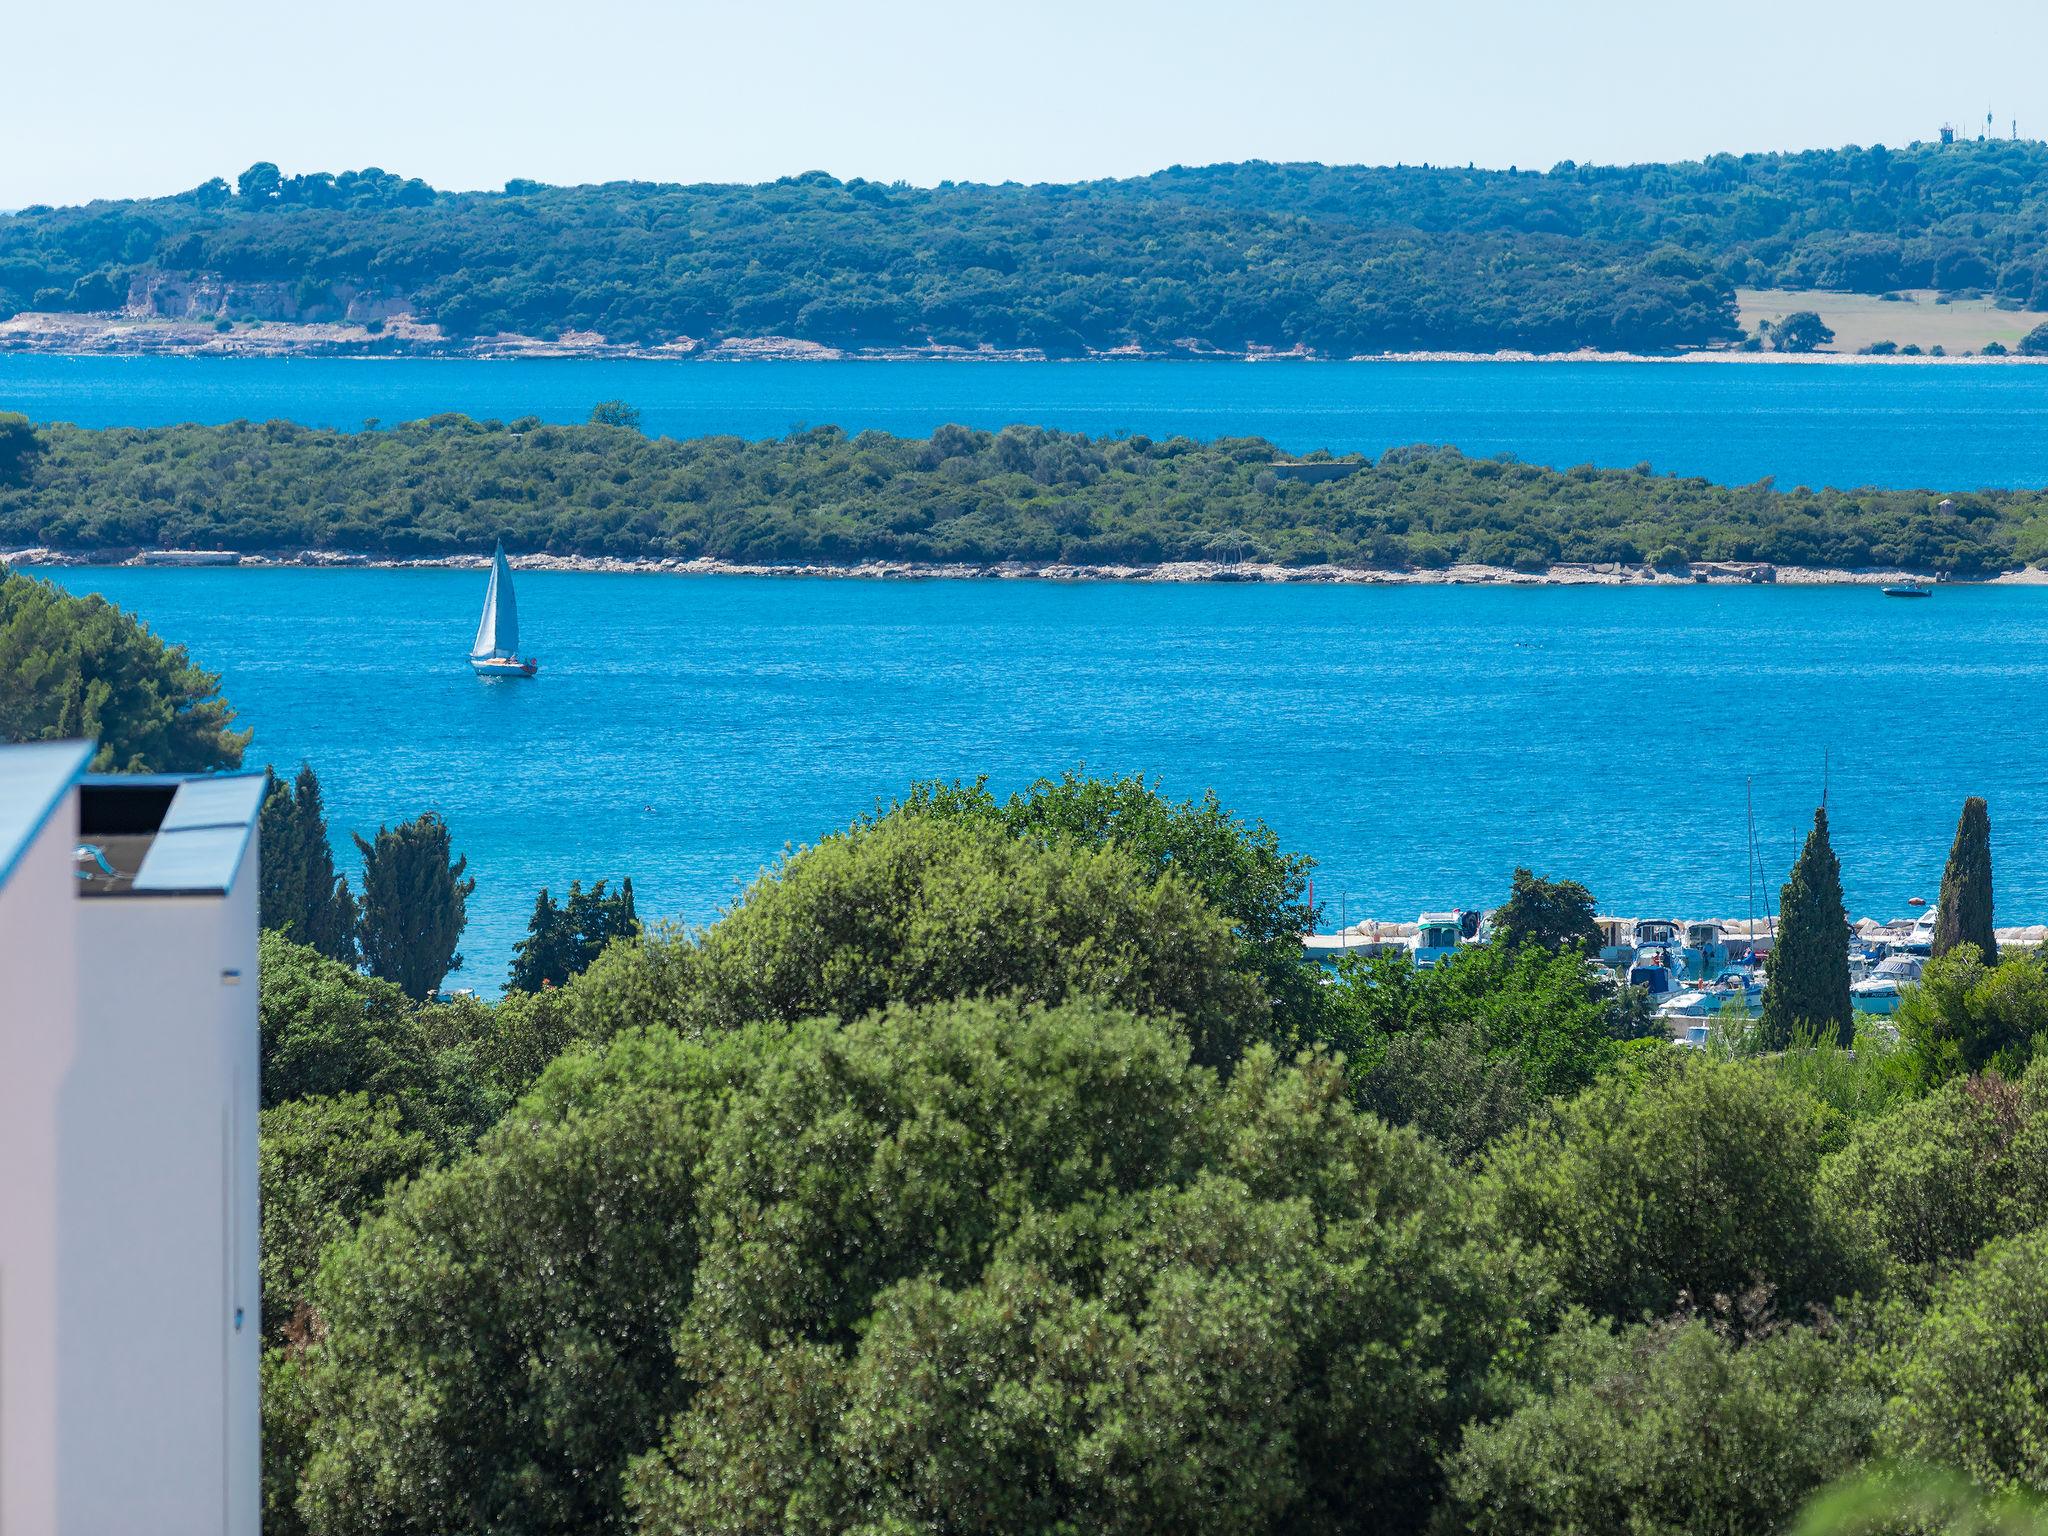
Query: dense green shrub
[1170,1290]
[1032,1272]
[915,908]
[1965,1016]
[495,1344]
[1674,1429]
[1694,1182]
[322,1163]
[447,1070]
[1467,1050]
[1235,864]
[1937,1178]
[1973,1383]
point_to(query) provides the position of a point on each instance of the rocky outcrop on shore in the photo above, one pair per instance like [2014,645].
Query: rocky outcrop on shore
[1699,573]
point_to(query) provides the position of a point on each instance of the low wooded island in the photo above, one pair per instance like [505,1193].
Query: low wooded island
[452,486]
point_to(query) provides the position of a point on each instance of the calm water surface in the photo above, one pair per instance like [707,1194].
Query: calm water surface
[1952,427]
[1418,742]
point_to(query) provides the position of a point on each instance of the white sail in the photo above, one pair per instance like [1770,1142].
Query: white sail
[497,632]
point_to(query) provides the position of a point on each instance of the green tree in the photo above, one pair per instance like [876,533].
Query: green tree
[562,940]
[79,666]
[1674,1429]
[1549,1014]
[1965,905]
[328,1031]
[414,905]
[1237,865]
[322,1164]
[1895,1500]
[498,1340]
[19,448]
[1040,1258]
[1451,1084]
[1558,914]
[1808,980]
[1801,331]
[1973,1381]
[917,908]
[615,413]
[260,183]
[1933,1181]
[1028,1254]
[1696,1182]
[302,897]
[2035,342]
[1965,1016]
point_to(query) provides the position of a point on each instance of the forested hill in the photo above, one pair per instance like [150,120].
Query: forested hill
[1339,260]
[451,485]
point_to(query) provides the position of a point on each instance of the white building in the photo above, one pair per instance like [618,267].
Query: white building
[129,1316]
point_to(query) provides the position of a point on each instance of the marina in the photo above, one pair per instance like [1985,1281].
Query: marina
[1694,971]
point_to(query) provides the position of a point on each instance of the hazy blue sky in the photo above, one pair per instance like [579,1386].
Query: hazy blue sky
[124,98]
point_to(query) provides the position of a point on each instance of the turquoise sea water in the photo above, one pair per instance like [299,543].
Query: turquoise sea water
[1951,427]
[1419,742]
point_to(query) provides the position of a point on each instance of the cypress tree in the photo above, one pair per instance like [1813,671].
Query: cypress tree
[301,896]
[1808,984]
[1965,911]
[414,905]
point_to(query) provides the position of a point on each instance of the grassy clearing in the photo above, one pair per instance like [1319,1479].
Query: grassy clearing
[1858,319]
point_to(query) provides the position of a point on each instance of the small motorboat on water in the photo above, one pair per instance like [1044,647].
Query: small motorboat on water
[496,650]
[1909,588]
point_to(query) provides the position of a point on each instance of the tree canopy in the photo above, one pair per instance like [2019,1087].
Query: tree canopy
[450,485]
[80,667]
[303,897]
[1808,980]
[1557,914]
[1340,259]
[965,1175]
[562,938]
[1963,914]
[415,903]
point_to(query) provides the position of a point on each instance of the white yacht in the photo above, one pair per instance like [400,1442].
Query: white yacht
[1879,991]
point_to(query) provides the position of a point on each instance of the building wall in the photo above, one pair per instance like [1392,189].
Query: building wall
[38,985]
[158,1318]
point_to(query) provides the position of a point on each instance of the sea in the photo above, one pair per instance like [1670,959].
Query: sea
[1418,743]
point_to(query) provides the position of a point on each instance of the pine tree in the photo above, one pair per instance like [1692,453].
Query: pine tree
[414,905]
[301,895]
[562,940]
[1808,986]
[543,957]
[1964,916]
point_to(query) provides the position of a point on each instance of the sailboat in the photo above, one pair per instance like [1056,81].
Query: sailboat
[496,651]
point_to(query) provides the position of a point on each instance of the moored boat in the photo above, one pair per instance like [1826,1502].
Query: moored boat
[1911,587]
[495,652]
[1879,992]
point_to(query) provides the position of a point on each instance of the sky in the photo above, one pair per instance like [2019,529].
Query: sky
[126,98]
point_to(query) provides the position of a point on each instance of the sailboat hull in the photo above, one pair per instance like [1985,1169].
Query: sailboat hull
[503,666]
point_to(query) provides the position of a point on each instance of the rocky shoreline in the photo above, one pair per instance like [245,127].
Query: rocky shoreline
[1700,573]
[121,334]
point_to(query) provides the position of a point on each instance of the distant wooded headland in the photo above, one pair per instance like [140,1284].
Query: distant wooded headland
[1229,260]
